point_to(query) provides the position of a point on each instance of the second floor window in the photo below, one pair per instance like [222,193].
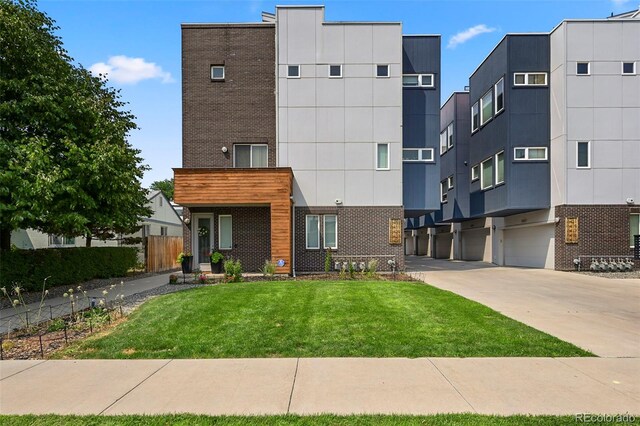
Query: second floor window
[475,122]
[250,155]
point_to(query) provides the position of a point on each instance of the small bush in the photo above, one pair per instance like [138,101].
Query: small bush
[173,279]
[327,261]
[372,267]
[66,266]
[268,269]
[233,271]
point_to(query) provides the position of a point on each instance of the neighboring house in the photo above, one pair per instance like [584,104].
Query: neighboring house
[293,138]
[554,141]
[163,221]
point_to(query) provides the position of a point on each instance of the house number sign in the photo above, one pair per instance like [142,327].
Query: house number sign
[571,230]
[395,231]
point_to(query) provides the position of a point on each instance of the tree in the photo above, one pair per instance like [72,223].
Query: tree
[66,166]
[166,186]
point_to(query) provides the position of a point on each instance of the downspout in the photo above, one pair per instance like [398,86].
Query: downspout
[293,238]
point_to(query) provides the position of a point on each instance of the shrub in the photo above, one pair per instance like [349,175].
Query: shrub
[327,261]
[268,269]
[66,266]
[372,267]
[216,257]
[233,271]
[173,279]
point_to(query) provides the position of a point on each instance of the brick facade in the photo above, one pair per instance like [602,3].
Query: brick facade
[361,231]
[240,109]
[603,230]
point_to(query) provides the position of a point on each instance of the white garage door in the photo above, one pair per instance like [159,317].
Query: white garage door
[532,246]
[476,244]
[443,245]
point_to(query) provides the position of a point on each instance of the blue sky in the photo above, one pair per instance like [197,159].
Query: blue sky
[138,42]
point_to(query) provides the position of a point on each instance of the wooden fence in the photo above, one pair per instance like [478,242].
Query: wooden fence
[161,252]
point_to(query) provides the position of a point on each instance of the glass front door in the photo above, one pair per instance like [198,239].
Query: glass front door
[203,240]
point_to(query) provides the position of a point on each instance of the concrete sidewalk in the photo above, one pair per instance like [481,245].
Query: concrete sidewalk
[505,386]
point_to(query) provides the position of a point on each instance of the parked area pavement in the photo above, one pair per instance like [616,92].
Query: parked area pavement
[62,307]
[595,313]
[505,386]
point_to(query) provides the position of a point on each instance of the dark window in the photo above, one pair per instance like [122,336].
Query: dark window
[583,154]
[382,71]
[217,72]
[582,68]
[628,68]
[335,70]
[293,71]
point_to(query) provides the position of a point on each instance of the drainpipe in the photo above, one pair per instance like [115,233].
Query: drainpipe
[293,237]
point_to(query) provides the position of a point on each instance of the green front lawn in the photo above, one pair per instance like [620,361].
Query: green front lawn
[186,419]
[318,319]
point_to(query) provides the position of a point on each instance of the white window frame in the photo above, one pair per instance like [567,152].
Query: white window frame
[482,120]
[588,67]
[220,232]
[526,79]
[482,182]
[635,66]
[420,80]
[443,191]
[324,233]
[250,153]
[64,241]
[388,156]
[496,111]
[329,70]
[388,71]
[224,73]
[306,231]
[443,141]
[495,166]
[588,166]
[477,107]
[631,245]
[164,231]
[475,173]
[526,153]
[450,136]
[421,155]
[293,76]
[450,183]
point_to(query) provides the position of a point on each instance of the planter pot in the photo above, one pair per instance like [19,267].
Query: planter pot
[216,268]
[187,264]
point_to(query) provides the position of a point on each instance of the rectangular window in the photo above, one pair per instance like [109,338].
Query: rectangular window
[382,70]
[486,107]
[475,173]
[475,123]
[163,231]
[486,178]
[450,182]
[313,231]
[499,92]
[382,156]
[450,136]
[293,71]
[583,155]
[500,168]
[248,156]
[634,228]
[526,153]
[60,240]
[582,68]
[225,228]
[629,68]
[417,154]
[443,191]
[335,71]
[417,80]
[217,72]
[530,79]
[330,231]
[146,230]
[443,142]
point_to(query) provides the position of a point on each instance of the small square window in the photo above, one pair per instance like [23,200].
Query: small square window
[335,71]
[582,68]
[217,72]
[629,68]
[382,71]
[293,71]
[520,153]
[519,79]
[426,80]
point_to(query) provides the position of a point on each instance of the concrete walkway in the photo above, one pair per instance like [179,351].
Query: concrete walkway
[62,307]
[599,314]
[505,386]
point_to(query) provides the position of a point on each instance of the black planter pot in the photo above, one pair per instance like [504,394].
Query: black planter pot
[216,268]
[187,264]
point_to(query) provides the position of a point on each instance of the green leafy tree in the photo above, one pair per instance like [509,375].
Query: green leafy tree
[166,186]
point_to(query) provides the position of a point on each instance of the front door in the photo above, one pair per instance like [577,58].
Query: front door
[202,235]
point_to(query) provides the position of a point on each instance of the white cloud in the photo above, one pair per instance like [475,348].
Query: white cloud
[619,2]
[125,70]
[468,34]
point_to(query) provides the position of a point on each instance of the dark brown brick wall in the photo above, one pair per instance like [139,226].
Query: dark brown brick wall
[361,231]
[602,230]
[251,231]
[240,109]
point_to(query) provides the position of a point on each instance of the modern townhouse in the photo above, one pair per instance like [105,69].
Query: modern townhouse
[554,151]
[293,139]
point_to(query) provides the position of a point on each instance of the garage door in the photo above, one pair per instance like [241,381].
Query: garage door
[443,245]
[476,244]
[532,246]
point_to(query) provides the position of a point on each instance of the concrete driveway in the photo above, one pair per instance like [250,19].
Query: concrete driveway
[599,314]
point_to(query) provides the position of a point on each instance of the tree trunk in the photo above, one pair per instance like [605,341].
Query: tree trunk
[88,238]
[5,239]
